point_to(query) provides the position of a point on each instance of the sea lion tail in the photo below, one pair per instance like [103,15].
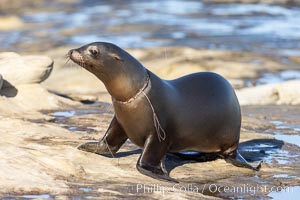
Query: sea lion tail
[237,159]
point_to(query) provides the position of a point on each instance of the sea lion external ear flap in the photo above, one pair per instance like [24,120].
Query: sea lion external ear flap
[116,56]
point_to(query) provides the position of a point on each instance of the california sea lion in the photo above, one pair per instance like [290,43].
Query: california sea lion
[198,112]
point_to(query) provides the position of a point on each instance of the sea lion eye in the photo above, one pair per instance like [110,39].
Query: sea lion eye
[94,52]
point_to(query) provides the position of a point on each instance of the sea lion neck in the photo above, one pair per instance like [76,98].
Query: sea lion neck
[123,76]
[126,85]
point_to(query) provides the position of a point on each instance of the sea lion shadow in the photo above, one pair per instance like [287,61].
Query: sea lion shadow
[255,150]
[8,90]
[61,95]
[124,153]
[258,149]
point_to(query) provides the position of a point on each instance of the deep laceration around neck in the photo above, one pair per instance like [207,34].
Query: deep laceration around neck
[126,86]
[142,90]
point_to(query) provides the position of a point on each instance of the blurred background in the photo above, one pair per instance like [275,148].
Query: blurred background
[269,27]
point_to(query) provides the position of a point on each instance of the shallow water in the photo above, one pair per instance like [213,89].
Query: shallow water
[42,196]
[86,189]
[255,27]
[72,113]
[277,77]
[283,176]
[284,125]
[287,193]
[292,139]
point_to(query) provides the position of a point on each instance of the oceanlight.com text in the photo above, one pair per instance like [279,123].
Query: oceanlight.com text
[210,188]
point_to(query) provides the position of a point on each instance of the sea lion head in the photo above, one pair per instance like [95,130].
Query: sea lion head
[97,57]
[121,73]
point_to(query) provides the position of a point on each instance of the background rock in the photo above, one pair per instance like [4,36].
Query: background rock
[19,70]
[168,63]
[279,93]
[29,99]
[10,23]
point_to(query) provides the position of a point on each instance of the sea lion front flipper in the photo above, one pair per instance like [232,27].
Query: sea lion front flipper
[237,159]
[111,142]
[151,161]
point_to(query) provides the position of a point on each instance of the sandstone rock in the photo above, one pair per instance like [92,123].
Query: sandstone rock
[19,70]
[30,98]
[41,158]
[279,93]
[10,23]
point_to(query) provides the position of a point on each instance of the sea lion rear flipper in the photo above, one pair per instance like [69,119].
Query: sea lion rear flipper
[237,159]
[111,142]
[155,172]
[151,161]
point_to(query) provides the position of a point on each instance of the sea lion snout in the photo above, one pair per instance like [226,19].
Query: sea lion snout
[76,57]
[74,54]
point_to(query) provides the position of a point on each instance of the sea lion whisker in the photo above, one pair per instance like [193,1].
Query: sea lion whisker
[166,57]
[74,66]
[67,61]
[68,55]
